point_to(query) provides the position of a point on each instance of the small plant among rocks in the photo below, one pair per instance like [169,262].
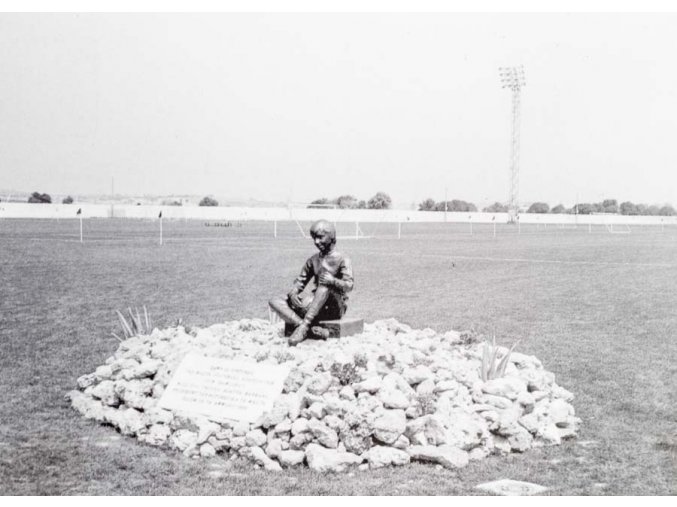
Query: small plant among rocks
[134,325]
[426,402]
[470,336]
[346,373]
[492,367]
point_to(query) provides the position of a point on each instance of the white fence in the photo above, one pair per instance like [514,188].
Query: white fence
[64,211]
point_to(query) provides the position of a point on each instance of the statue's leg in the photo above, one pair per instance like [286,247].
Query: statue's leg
[322,294]
[286,313]
[334,309]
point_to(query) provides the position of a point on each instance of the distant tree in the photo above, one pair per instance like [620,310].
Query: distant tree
[583,209]
[362,204]
[497,207]
[37,197]
[67,200]
[347,202]
[642,209]
[653,210]
[208,201]
[610,206]
[456,205]
[628,208]
[558,209]
[539,207]
[427,205]
[319,203]
[380,201]
[667,211]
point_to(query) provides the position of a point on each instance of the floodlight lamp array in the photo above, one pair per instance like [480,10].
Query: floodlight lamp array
[512,77]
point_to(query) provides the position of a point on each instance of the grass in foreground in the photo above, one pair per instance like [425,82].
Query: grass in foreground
[598,310]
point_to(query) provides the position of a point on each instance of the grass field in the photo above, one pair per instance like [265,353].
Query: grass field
[598,309]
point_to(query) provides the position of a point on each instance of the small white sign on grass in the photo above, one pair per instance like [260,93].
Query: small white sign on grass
[222,389]
[508,487]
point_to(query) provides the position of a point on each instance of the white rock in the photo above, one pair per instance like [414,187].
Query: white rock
[260,458]
[86,381]
[381,456]
[390,425]
[527,401]
[147,368]
[183,439]
[274,448]
[319,383]
[560,392]
[530,422]
[417,374]
[207,451]
[370,385]
[324,435]
[105,391]
[274,416]
[240,428]
[347,393]
[255,438]
[478,453]
[549,435]
[317,410]
[321,459]
[159,415]
[236,443]
[335,423]
[87,406]
[394,398]
[131,421]
[507,387]
[520,441]
[300,441]
[446,455]
[445,385]
[426,388]
[282,427]
[396,381]
[104,372]
[299,426]
[291,458]
[560,411]
[157,435]
[205,430]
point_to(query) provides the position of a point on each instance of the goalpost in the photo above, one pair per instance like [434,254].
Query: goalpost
[618,229]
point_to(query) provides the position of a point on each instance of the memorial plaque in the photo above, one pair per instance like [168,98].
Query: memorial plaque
[222,389]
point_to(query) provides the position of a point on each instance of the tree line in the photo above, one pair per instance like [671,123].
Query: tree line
[380,200]
[605,206]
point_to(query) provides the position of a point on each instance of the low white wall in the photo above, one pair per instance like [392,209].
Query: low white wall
[26,210]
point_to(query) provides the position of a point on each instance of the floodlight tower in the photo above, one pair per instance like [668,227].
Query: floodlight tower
[513,78]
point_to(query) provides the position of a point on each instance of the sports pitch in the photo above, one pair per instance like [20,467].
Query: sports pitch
[598,309]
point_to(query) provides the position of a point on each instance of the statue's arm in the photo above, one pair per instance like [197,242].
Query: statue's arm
[344,281]
[307,272]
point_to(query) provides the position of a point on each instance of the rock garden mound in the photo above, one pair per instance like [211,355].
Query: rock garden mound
[388,396]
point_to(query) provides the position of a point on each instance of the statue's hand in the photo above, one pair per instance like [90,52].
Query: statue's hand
[294,298]
[326,278]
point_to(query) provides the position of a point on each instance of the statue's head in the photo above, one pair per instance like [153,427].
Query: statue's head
[324,235]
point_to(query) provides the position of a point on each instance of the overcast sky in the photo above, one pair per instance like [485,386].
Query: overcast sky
[301,106]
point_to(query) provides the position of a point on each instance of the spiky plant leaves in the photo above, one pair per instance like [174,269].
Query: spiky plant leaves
[485,362]
[127,330]
[500,371]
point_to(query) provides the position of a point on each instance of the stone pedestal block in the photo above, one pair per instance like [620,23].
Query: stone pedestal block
[337,328]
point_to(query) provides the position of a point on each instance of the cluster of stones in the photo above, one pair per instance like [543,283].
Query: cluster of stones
[385,397]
